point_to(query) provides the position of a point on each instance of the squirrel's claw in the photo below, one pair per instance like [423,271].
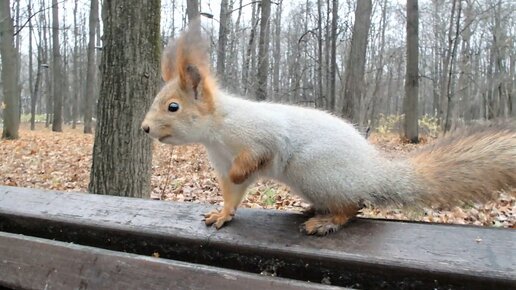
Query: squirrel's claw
[321,225]
[218,218]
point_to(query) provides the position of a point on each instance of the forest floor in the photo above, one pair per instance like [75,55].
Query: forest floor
[62,161]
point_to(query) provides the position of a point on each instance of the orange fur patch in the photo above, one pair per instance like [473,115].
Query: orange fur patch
[232,195]
[190,50]
[324,224]
[245,164]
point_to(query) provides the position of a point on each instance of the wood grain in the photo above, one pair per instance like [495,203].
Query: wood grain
[364,254]
[35,263]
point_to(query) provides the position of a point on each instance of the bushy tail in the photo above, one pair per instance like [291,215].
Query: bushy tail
[469,165]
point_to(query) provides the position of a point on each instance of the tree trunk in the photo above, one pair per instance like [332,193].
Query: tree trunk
[320,98]
[446,71]
[436,78]
[449,83]
[11,114]
[327,53]
[223,39]
[379,70]
[76,80]
[46,60]
[511,102]
[249,56]
[410,102]
[464,90]
[232,71]
[332,95]
[18,58]
[356,61]
[57,120]
[89,97]
[31,53]
[192,9]
[263,52]
[122,154]
[35,94]
[65,92]
[277,52]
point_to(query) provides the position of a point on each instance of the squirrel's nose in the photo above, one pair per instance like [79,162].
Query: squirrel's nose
[146,128]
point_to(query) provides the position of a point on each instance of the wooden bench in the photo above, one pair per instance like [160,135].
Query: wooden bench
[81,241]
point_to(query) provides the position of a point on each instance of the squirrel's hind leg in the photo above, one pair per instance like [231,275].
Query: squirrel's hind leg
[324,224]
[312,211]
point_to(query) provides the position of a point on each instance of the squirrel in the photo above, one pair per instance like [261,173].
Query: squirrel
[322,158]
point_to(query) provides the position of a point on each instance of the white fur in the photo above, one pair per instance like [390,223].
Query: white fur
[320,157]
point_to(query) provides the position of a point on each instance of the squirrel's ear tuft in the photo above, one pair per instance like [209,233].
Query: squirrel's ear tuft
[187,58]
[192,58]
[190,48]
[168,58]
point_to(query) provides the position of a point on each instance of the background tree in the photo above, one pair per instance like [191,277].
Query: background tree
[263,51]
[75,73]
[410,102]
[57,78]
[11,103]
[89,97]
[192,9]
[122,153]
[332,95]
[355,68]
[277,51]
[467,62]
[223,38]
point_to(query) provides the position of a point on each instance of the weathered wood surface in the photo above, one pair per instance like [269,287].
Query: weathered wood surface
[365,254]
[35,263]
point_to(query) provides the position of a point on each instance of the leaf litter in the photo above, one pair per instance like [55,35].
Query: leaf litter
[62,161]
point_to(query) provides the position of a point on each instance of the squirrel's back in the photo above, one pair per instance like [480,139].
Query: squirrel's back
[327,160]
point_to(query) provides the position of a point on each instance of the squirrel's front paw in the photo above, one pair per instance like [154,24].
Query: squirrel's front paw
[218,218]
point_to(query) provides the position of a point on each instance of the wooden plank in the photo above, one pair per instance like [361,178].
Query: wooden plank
[35,263]
[365,254]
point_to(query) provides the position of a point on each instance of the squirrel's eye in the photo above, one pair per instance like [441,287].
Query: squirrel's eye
[172,107]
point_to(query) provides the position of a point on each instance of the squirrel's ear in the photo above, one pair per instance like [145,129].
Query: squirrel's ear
[189,79]
[168,61]
[166,68]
